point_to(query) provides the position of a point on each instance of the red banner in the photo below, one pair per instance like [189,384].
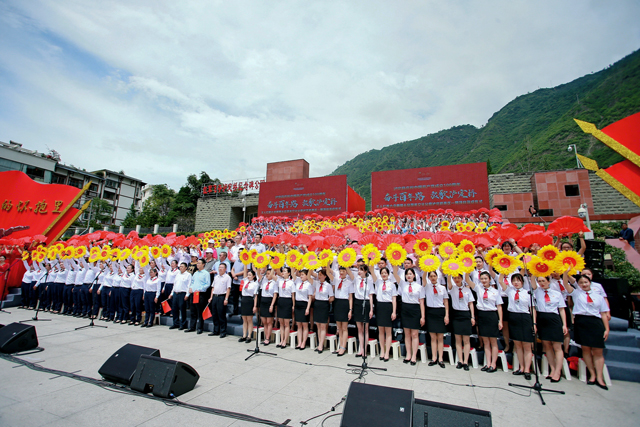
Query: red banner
[457,187]
[34,208]
[298,197]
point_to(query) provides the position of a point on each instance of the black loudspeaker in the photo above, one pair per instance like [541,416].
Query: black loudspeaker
[163,377]
[619,296]
[434,414]
[17,337]
[121,366]
[372,405]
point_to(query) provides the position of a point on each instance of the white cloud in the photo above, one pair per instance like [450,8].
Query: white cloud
[165,89]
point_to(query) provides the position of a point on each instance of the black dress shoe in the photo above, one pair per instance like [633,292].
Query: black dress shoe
[518,372]
[173,327]
[466,366]
[602,386]
[484,368]
[223,335]
[413,363]
[406,360]
[591,382]
[491,370]
[200,331]
[433,363]
[144,325]
[189,330]
[181,328]
[459,365]
[556,381]
[210,334]
[241,339]
[214,333]
[340,355]
[248,340]
[149,325]
[441,364]
[527,376]
[548,377]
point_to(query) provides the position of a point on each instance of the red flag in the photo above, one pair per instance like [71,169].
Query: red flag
[206,314]
[196,297]
[166,307]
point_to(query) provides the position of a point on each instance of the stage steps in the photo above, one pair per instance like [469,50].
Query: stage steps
[14,297]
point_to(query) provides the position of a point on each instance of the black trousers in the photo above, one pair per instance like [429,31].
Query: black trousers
[195,315]
[85,298]
[97,299]
[166,292]
[235,298]
[219,314]
[179,309]
[149,307]
[77,299]
[67,296]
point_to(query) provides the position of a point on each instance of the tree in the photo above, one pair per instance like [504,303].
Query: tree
[131,220]
[99,214]
[489,169]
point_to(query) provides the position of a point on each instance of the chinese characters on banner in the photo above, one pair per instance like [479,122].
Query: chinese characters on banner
[40,207]
[247,185]
[326,196]
[459,187]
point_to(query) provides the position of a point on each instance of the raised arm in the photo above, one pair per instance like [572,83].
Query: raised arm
[565,282]
[502,283]
[396,275]
[470,282]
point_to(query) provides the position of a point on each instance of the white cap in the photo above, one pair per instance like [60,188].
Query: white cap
[211,241]
[194,253]
[209,251]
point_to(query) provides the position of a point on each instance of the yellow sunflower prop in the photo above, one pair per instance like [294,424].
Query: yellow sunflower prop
[548,253]
[52,253]
[155,252]
[505,264]
[165,251]
[460,226]
[25,255]
[115,254]
[262,260]
[326,257]
[293,258]
[371,254]
[467,246]
[444,224]
[277,260]
[396,254]
[125,253]
[524,257]
[105,253]
[80,252]
[423,247]
[143,259]
[539,267]
[467,261]
[347,257]
[568,259]
[245,257]
[94,256]
[492,254]
[452,267]
[429,263]
[447,250]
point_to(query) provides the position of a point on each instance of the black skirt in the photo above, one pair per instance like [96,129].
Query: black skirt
[588,331]
[301,308]
[487,322]
[461,322]
[341,310]
[265,303]
[246,307]
[285,308]
[549,327]
[357,310]
[410,316]
[505,309]
[383,314]
[321,311]
[435,320]
[520,325]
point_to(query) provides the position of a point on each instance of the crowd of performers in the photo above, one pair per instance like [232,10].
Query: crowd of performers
[506,285]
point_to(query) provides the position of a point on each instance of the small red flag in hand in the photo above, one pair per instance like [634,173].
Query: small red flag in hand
[206,314]
[166,307]
[196,297]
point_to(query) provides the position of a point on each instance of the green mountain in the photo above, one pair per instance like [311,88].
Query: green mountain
[531,133]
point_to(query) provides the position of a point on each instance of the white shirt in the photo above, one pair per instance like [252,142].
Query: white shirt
[221,284]
[581,306]
[153,285]
[342,292]
[362,288]
[460,304]
[435,299]
[268,287]
[182,282]
[598,288]
[138,281]
[28,277]
[172,273]
[127,278]
[302,291]
[385,290]
[324,291]
[491,302]
[411,293]
[520,305]
[556,300]
[61,277]
[285,288]
[249,287]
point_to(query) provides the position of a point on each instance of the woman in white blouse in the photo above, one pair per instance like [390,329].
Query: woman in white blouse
[249,303]
[269,296]
[322,298]
[363,306]
[489,313]
[386,294]
[590,326]
[437,315]
[550,323]
[285,305]
[412,312]
[462,319]
[303,294]
[342,304]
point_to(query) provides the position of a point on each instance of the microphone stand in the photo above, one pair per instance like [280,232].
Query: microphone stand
[35,318]
[91,324]
[364,366]
[537,387]
[257,349]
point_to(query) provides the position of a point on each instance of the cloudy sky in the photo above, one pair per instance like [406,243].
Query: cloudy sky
[163,89]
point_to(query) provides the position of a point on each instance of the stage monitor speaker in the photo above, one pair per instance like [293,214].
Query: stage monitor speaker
[372,405]
[163,377]
[121,366]
[435,414]
[17,337]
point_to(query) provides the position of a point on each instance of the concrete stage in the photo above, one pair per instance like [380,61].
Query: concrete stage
[273,388]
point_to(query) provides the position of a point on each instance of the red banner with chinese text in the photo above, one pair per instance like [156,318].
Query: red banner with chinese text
[458,187]
[27,203]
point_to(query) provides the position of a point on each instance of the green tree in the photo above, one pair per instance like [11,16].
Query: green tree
[489,169]
[131,219]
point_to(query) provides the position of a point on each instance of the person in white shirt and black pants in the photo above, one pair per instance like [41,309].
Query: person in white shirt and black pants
[550,323]
[462,319]
[386,294]
[179,297]
[220,290]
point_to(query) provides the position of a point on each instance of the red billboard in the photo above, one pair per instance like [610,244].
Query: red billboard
[457,187]
[325,196]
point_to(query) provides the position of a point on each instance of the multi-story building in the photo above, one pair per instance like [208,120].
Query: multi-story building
[120,190]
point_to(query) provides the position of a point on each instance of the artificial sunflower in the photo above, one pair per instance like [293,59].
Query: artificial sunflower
[429,263]
[470,226]
[460,226]
[423,247]
[326,257]
[539,267]
[371,254]
[505,264]
[245,257]
[568,259]
[262,260]
[445,223]
[80,252]
[347,257]
[396,254]
[492,254]
[524,257]
[447,250]
[548,253]
[482,225]
[293,258]
[165,251]
[94,256]
[125,253]
[467,261]
[155,252]
[52,253]
[143,259]
[115,254]
[452,267]
[253,253]
[105,253]
[25,255]
[277,260]
[467,246]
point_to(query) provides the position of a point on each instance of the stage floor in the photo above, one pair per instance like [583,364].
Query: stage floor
[295,385]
